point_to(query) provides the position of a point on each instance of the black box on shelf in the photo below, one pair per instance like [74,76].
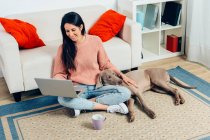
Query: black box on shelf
[171,14]
[179,44]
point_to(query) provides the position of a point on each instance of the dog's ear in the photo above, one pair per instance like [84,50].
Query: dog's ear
[114,73]
[99,82]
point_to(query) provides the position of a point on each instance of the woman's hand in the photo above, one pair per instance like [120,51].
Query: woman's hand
[129,81]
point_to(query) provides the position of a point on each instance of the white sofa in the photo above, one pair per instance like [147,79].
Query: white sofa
[20,67]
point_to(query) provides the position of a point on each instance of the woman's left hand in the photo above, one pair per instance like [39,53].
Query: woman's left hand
[129,81]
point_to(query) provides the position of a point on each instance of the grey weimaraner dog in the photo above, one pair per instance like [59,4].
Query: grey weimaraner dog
[156,79]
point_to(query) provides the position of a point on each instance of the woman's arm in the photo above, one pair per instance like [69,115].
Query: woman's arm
[59,71]
[104,63]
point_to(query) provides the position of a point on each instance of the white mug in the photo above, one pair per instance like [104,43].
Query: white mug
[98,121]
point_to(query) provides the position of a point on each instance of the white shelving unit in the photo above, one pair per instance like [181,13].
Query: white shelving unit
[154,40]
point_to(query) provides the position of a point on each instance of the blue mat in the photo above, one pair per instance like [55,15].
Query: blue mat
[17,110]
[21,108]
[202,86]
[27,105]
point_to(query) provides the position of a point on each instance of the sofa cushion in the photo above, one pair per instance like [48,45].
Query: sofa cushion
[119,52]
[108,25]
[24,33]
[38,63]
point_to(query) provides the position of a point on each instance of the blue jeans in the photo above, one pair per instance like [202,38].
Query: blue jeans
[107,95]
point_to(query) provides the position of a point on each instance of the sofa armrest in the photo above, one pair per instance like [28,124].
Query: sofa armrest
[10,62]
[131,33]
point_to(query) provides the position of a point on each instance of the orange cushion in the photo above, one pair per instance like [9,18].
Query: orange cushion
[108,25]
[24,33]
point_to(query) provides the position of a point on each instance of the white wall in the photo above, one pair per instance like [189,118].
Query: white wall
[8,7]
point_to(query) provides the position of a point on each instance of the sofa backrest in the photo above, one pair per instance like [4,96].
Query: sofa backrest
[48,23]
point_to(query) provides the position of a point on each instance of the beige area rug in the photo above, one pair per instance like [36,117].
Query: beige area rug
[188,121]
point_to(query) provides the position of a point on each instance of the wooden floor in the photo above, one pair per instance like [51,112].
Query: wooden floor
[168,63]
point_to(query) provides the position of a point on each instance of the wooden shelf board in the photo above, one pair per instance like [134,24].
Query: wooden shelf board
[146,30]
[148,56]
[168,27]
[165,53]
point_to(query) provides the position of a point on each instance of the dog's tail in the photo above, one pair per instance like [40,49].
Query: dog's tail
[180,84]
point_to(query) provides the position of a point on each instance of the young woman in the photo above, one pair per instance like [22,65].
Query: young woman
[80,58]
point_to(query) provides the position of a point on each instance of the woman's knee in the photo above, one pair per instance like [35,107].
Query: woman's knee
[67,102]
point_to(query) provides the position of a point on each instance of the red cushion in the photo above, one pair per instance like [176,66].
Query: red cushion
[108,25]
[24,33]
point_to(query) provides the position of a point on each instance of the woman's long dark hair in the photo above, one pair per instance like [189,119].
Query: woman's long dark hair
[69,49]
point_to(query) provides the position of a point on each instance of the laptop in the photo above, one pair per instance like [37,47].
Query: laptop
[57,87]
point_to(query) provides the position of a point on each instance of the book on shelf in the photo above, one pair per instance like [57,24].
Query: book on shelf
[179,18]
[172,43]
[171,13]
[179,44]
[151,16]
[140,15]
[140,18]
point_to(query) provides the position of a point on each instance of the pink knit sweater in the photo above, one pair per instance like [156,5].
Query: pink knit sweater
[90,59]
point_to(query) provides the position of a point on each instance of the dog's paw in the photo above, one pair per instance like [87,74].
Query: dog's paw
[131,118]
[182,101]
[177,101]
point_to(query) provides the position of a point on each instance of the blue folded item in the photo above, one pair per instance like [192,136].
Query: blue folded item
[140,18]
